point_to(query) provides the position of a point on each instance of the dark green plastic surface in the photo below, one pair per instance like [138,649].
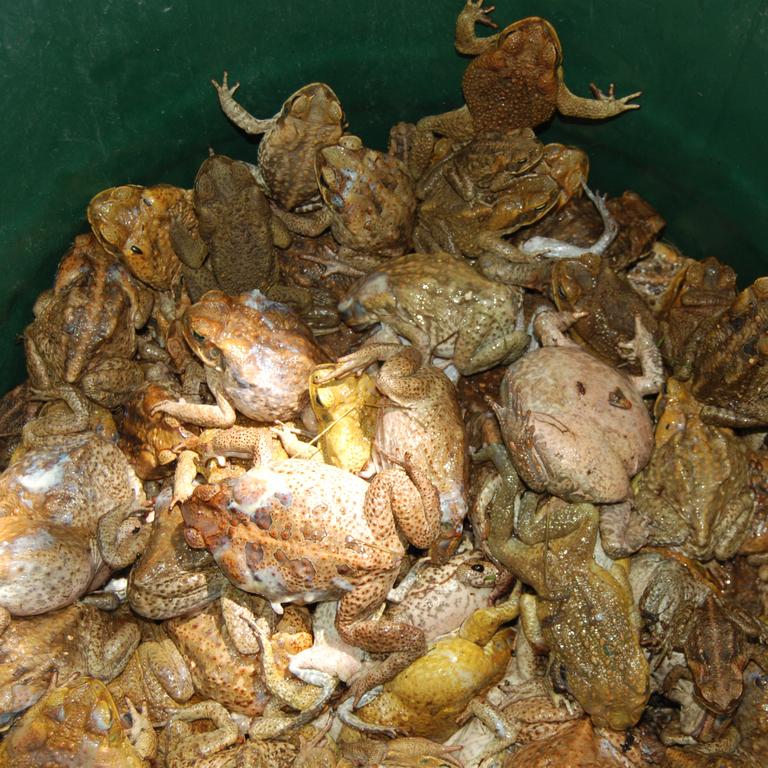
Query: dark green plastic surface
[102,92]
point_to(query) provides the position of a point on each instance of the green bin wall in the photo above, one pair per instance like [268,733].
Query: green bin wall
[102,92]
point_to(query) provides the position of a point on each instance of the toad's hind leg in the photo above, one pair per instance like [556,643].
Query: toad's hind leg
[408,497]
[404,642]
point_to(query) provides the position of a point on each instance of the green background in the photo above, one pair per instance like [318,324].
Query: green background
[95,94]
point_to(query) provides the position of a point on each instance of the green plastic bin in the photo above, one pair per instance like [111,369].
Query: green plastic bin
[103,92]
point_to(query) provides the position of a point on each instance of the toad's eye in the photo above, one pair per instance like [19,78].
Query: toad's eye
[198,336]
[135,249]
[478,567]
[561,292]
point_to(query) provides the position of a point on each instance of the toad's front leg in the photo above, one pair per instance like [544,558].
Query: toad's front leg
[602,106]
[467,42]
[222,415]
[237,114]
[403,642]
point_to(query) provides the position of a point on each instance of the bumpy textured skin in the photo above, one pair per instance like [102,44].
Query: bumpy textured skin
[310,119]
[133,222]
[695,492]
[84,332]
[575,426]
[301,531]
[171,579]
[360,184]
[442,306]
[150,439]
[514,83]
[187,746]
[421,417]
[589,284]
[729,370]
[586,613]
[59,508]
[156,675]
[76,724]
[79,639]
[219,670]
[701,290]
[258,355]
[442,596]
[427,697]
[489,188]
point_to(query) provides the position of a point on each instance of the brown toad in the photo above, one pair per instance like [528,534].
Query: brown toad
[368,202]
[728,371]
[171,579]
[303,531]
[515,79]
[442,306]
[480,193]
[149,438]
[420,416]
[310,119]
[78,724]
[189,746]
[76,639]
[695,492]
[133,222]
[233,246]
[258,356]
[156,675]
[68,517]
[590,285]
[84,332]
[583,610]
[700,291]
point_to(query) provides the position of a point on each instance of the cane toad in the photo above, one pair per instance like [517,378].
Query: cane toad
[78,724]
[233,247]
[700,291]
[156,675]
[133,222]
[440,597]
[420,416]
[588,284]
[84,332]
[695,492]
[583,610]
[346,411]
[222,746]
[427,697]
[729,371]
[171,579]
[76,639]
[575,426]
[218,669]
[481,193]
[369,202]
[258,356]
[515,79]
[304,531]
[148,438]
[443,307]
[310,119]
[68,517]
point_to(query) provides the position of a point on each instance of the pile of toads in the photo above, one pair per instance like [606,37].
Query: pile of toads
[348,458]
